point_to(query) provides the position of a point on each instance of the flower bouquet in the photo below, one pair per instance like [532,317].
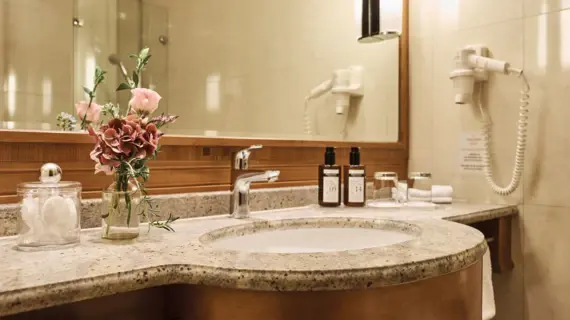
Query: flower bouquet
[124,143]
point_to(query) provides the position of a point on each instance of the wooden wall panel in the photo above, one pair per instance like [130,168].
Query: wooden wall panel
[180,168]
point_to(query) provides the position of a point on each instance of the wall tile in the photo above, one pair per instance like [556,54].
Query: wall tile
[477,13]
[535,7]
[423,17]
[34,59]
[547,64]
[421,97]
[420,160]
[546,259]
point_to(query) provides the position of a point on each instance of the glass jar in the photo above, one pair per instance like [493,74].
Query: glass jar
[419,189]
[120,211]
[49,211]
[384,186]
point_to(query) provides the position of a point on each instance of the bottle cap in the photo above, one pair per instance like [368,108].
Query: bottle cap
[330,156]
[354,156]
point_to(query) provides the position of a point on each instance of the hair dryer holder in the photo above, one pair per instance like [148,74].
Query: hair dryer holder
[472,65]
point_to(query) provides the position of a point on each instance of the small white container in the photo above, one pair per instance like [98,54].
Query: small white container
[50,211]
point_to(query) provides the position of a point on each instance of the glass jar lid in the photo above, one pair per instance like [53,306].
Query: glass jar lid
[420,175]
[50,176]
[385,175]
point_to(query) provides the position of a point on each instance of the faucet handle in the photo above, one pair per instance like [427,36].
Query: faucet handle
[242,157]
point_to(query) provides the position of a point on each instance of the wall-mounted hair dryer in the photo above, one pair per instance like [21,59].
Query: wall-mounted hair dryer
[472,65]
[472,68]
[343,84]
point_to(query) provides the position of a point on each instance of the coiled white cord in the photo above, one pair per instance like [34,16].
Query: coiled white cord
[521,141]
[307,117]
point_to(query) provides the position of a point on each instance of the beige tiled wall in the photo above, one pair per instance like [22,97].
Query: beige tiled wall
[535,35]
[128,41]
[37,58]
[2,63]
[93,43]
[263,57]
[155,25]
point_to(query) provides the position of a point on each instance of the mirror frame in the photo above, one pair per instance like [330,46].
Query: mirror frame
[195,164]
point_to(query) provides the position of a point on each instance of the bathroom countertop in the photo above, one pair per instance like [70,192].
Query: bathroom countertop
[35,280]
[472,213]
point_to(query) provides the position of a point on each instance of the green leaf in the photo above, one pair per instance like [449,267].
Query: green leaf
[123,86]
[98,72]
[134,56]
[87,90]
[135,78]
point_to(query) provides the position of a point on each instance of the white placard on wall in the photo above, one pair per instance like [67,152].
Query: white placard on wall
[471,151]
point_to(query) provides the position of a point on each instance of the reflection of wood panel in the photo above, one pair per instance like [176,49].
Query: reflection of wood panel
[181,166]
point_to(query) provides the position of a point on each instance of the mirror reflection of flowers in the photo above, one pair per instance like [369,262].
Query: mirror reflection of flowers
[124,142]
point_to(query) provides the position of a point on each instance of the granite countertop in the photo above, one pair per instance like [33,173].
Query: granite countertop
[94,269]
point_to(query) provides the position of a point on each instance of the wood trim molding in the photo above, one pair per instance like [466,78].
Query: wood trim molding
[192,164]
[180,168]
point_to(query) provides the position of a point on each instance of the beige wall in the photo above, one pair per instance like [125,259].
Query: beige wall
[128,42]
[534,34]
[263,57]
[155,19]
[2,62]
[93,44]
[37,59]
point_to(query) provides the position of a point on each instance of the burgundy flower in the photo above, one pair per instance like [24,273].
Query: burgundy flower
[123,139]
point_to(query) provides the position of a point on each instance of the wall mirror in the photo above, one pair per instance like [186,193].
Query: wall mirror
[236,72]
[227,68]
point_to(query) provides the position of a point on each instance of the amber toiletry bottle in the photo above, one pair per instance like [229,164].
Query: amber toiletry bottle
[354,181]
[329,180]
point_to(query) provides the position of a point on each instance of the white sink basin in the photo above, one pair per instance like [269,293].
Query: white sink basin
[311,235]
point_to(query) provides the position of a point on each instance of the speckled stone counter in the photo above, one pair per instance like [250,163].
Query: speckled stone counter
[191,205]
[94,269]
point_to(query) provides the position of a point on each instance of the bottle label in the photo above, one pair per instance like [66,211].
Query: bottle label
[356,187]
[355,172]
[330,189]
[331,172]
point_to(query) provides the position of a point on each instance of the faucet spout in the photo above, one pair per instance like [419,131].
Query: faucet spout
[267,176]
[239,207]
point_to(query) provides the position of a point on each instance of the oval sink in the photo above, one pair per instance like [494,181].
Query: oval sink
[311,235]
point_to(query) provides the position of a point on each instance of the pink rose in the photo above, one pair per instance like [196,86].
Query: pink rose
[93,113]
[144,101]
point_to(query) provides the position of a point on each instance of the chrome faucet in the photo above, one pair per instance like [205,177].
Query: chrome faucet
[239,203]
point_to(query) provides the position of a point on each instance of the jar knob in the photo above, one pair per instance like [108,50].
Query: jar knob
[50,173]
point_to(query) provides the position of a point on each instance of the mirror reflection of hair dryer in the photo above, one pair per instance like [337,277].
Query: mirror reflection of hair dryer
[115,60]
[343,84]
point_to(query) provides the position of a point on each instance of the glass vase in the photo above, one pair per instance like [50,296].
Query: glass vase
[120,212]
